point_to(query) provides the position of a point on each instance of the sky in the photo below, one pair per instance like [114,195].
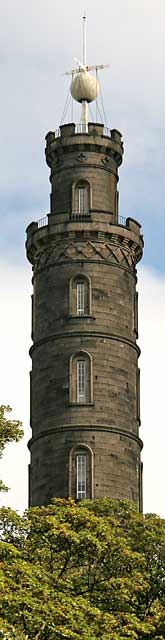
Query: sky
[39,41]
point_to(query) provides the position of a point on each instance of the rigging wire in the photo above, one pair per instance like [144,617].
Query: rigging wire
[90,111]
[68,106]
[96,95]
[99,112]
[67,101]
[72,105]
[102,104]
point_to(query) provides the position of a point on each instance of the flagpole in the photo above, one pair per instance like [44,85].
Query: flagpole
[84,103]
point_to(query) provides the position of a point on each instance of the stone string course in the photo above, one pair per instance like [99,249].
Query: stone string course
[106,253]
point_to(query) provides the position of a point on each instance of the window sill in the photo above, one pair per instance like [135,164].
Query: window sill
[80,404]
[83,317]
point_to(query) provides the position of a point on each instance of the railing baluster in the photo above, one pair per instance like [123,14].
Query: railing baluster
[80,216]
[43,222]
[122,220]
[81,128]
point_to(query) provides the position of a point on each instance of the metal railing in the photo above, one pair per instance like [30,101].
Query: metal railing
[76,215]
[80,216]
[122,220]
[57,133]
[81,129]
[107,132]
[43,222]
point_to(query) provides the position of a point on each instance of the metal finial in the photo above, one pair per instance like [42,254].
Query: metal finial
[84,41]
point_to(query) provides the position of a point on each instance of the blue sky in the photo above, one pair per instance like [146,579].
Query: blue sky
[38,43]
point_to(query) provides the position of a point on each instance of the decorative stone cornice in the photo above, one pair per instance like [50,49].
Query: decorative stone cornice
[85,334]
[75,427]
[119,251]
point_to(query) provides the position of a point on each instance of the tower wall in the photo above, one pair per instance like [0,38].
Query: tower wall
[96,249]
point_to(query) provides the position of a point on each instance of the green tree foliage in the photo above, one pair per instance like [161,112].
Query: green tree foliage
[89,570]
[10,430]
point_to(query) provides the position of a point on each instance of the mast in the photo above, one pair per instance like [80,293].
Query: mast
[84,87]
[84,102]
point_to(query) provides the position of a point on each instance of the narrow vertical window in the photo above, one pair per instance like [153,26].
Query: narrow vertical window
[80,295]
[81,476]
[80,298]
[81,380]
[83,200]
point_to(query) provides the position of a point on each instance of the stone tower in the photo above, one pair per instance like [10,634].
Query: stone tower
[85,408]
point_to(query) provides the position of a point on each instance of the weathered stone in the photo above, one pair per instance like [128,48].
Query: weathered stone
[96,249]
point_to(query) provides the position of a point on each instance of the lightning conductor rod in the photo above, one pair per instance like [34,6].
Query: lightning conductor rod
[84,102]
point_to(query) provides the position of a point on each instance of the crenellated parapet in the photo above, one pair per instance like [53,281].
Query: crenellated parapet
[71,136]
[99,241]
[93,158]
[85,381]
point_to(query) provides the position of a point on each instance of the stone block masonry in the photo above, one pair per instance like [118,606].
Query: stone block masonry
[85,372]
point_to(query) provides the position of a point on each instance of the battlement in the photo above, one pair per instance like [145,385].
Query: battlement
[94,128]
[95,137]
[57,228]
[85,382]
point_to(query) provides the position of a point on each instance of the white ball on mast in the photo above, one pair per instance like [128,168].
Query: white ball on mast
[84,86]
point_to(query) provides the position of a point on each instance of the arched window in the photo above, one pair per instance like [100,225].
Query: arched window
[81,472]
[81,198]
[80,296]
[81,378]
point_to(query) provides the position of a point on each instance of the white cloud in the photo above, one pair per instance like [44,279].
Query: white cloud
[152,322]
[15,291]
[38,42]
[15,365]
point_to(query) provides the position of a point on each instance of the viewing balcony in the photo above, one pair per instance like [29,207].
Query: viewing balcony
[92,129]
[76,216]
